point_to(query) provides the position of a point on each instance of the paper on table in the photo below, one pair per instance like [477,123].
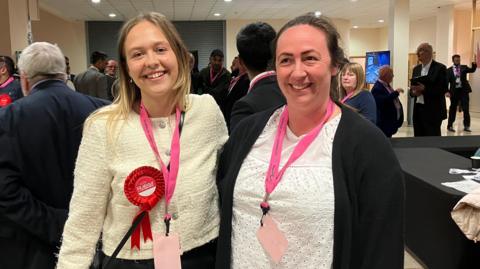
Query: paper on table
[465,186]
[456,171]
[468,177]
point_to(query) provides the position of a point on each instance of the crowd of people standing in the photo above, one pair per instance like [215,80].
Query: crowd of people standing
[148,164]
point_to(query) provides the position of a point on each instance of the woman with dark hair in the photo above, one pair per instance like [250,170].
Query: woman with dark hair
[301,185]
[10,88]
[142,161]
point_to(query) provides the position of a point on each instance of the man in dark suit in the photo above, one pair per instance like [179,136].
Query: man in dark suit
[111,73]
[389,107]
[93,81]
[459,88]
[39,138]
[238,88]
[429,109]
[214,79]
[254,52]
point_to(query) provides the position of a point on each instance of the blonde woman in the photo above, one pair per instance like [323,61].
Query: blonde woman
[154,132]
[353,93]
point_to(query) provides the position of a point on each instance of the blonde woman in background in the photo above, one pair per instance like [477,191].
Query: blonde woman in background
[154,123]
[353,93]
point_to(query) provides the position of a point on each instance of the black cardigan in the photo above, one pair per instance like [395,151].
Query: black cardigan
[368,186]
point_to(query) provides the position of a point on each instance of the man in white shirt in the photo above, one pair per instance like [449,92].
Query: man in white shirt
[429,109]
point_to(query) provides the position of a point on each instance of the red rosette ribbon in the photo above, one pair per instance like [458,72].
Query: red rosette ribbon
[5,100]
[144,187]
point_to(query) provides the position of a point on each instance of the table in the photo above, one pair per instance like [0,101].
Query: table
[461,145]
[430,232]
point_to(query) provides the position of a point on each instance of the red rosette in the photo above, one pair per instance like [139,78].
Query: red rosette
[5,100]
[144,187]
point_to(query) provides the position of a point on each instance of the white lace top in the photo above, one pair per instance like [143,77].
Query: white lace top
[302,203]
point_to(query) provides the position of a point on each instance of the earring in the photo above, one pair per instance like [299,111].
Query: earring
[131,81]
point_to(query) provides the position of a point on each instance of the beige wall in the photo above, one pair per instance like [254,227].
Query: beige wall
[5,47]
[423,30]
[368,39]
[68,35]
[462,34]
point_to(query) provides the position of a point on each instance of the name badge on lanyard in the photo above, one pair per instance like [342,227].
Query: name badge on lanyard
[271,238]
[167,246]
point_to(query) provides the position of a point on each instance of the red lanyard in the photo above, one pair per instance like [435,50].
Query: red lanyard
[347,97]
[8,81]
[260,77]
[213,78]
[170,174]
[274,176]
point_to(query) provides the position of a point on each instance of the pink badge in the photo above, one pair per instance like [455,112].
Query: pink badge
[272,239]
[166,251]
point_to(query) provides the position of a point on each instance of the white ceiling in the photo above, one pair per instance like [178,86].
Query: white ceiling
[364,13]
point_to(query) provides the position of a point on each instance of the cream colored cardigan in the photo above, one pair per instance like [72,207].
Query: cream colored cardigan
[99,205]
[466,214]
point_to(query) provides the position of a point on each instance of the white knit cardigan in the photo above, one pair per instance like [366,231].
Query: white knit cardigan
[99,204]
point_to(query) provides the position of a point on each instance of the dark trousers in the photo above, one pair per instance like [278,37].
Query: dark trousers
[464,99]
[423,125]
[197,258]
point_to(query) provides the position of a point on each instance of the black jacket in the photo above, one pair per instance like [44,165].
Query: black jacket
[264,94]
[435,89]
[238,91]
[463,78]
[217,89]
[386,111]
[39,138]
[368,188]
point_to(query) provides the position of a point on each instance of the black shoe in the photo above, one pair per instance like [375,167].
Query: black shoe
[467,129]
[450,129]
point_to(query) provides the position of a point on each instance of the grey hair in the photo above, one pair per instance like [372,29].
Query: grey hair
[42,59]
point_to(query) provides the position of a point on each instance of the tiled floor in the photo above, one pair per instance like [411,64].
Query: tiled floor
[407,131]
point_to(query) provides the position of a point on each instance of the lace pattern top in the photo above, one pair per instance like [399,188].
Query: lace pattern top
[302,204]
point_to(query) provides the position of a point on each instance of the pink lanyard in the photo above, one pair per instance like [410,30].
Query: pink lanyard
[5,84]
[274,176]
[213,78]
[257,79]
[457,70]
[347,97]
[170,175]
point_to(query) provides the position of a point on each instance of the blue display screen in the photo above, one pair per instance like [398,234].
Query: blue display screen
[373,61]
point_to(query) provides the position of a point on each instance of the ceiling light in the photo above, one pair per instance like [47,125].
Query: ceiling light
[381,21]
[353,0]
[112,15]
[355,26]
[227,0]
[95,1]
[216,14]
[318,13]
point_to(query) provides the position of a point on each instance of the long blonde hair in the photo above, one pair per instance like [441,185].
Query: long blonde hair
[129,93]
[357,69]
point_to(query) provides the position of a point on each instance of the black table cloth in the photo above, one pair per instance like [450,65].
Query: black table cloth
[461,145]
[431,234]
